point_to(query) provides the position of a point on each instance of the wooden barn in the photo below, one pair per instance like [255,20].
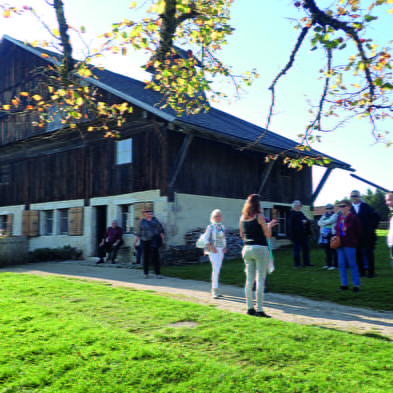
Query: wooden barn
[60,186]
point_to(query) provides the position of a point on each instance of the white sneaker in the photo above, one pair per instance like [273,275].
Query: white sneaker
[331,268]
[325,267]
[215,294]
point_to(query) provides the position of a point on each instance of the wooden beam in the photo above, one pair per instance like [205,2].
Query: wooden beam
[265,175]
[180,159]
[321,184]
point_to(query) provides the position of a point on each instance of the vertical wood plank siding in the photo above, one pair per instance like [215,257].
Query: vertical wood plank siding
[216,169]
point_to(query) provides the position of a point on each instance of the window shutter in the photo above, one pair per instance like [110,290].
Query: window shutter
[138,214]
[34,223]
[30,223]
[9,225]
[25,223]
[76,221]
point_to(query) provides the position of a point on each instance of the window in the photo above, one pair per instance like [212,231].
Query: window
[282,222]
[4,174]
[132,214]
[3,223]
[124,152]
[48,222]
[267,212]
[63,213]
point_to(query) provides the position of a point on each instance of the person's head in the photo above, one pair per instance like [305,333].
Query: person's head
[389,200]
[252,206]
[148,214]
[329,208]
[355,197]
[345,206]
[216,216]
[114,223]
[297,206]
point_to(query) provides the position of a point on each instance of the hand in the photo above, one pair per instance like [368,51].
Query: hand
[225,250]
[273,223]
[304,221]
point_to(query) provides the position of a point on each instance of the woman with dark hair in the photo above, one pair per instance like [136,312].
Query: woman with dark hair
[349,229]
[255,232]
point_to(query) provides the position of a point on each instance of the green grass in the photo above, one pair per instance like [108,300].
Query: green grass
[63,335]
[312,282]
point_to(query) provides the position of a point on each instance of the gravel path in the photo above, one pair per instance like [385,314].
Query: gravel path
[284,307]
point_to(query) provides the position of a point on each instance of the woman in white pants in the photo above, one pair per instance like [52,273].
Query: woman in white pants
[254,231]
[215,247]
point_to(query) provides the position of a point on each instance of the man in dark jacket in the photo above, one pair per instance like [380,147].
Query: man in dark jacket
[298,231]
[369,220]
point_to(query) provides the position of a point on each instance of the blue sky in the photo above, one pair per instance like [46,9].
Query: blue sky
[263,40]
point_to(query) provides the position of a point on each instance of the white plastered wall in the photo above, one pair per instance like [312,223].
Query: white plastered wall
[16,212]
[57,240]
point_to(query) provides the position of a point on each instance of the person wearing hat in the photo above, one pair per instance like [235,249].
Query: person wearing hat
[327,225]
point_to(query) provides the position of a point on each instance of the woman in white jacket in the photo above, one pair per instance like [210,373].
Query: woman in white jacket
[327,225]
[215,247]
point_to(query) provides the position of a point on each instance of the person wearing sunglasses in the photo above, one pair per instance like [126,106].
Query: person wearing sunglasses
[369,220]
[349,229]
[150,233]
[327,223]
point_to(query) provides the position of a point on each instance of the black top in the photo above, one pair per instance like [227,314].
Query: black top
[253,233]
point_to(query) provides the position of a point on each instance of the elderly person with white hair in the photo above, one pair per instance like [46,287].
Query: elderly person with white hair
[298,231]
[327,225]
[111,241]
[215,247]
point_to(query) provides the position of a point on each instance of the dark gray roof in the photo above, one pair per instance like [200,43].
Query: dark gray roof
[215,122]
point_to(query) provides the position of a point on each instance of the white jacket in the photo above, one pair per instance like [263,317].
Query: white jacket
[390,233]
[329,221]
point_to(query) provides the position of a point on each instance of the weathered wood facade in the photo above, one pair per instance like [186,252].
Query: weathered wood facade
[42,169]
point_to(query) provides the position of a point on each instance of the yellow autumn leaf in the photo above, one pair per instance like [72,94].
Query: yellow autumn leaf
[56,32]
[44,55]
[133,4]
[7,13]
[72,125]
[37,97]
[6,107]
[24,94]
[90,129]
[390,11]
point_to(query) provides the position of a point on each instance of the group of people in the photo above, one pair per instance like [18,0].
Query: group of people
[353,230]
[149,237]
[255,234]
[355,225]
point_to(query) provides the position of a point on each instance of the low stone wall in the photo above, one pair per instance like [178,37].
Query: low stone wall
[13,250]
[189,253]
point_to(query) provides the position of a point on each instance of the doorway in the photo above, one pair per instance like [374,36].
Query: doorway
[101,224]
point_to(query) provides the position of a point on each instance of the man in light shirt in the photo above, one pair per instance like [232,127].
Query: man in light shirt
[389,203]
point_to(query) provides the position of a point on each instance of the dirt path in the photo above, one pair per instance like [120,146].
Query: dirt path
[284,307]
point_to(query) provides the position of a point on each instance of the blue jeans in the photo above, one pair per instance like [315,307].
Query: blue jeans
[301,244]
[348,254]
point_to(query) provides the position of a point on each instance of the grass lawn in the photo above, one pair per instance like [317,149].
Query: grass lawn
[311,282]
[65,335]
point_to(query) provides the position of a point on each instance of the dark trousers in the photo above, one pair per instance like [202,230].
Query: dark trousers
[110,249]
[138,254]
[301,244]
[331,255]
[365,251]
[150,254]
